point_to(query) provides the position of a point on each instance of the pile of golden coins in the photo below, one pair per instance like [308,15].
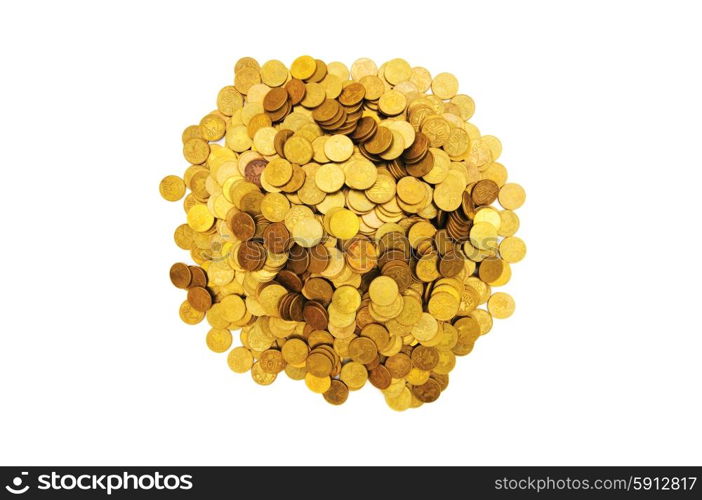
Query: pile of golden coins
[344,220]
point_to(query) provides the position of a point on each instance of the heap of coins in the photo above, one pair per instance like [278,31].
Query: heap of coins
[345,221]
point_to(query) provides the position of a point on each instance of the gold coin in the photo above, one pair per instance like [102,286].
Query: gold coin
[172,188]
[411,190]
[511,196]
[400,403]
[261,377]
[338,148]
[295,351]
[483,236]
[278,172]
[319,385]
[212,127]
[199,218]
[512,249]
[346,299]
[329,178]
[363,67]
[444,86]
[240,359]
[189,314]
[501,305]
[421,78]
[308,232]
[354,375]
[196,150]
[298,150]
[344,224]
[397,70]
[274,207]
[509,223]
[426,328]
[392,103]
[360,174]
[263,140]
[303,67]
[274,73]
[465,104]
[383,291]
[219,339]
[233,308]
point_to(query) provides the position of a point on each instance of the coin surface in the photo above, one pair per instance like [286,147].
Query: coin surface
[349,226]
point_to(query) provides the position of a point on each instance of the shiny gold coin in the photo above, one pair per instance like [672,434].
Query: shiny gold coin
[354,375]
[200,219]
[189,314]
[512,249]
[172,188]
[308,232]
[219,339]
[501,305]
[320,385]
[383,290]
[329,178]
[261,377]
[303,67]
[444,86]
[511,196]
[483,236]
[338,148]
[295,351]
[240,359]
[344,224]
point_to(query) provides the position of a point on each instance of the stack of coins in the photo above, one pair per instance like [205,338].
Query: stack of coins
[350,223]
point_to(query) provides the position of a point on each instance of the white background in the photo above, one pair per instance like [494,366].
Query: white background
[598,107]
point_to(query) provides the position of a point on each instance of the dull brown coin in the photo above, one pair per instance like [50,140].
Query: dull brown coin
[251,255]
[381,140]
[254,169]
[318,289]
[315,315]
[326,111]
[298,259]
[421,167]
[425,358]
[337,393]
[352,94]
[365,128]
[180,275]
[199,298]
[199,276]
[296,90]
[485,192]
[319,259]
[380,377]
[276,237]
[399,365]
[275,99]
[289,280]
[451,263]
[243,226]
[428,392]
[363,350]
[417,149]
